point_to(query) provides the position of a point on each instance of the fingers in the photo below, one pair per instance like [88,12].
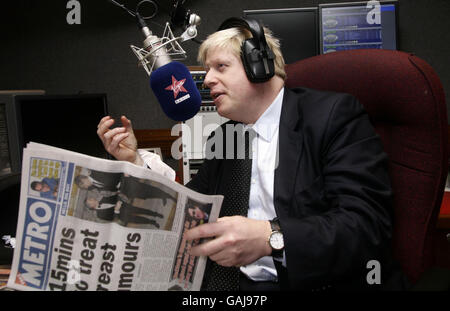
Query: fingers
[115,141]
[204,231]
[237,240]
[132,141]
[105,132]
[104,120]
[217,250]
[111,134]
[112,138]
[208,248]
[212,246]
[105,124]
[126,123]
[103,127]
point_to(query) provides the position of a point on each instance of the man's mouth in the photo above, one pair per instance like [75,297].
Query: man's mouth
[216,95]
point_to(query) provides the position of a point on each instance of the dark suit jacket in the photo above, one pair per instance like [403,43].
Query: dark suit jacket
[107,213]
[109,180]
[132,187]
[331,191]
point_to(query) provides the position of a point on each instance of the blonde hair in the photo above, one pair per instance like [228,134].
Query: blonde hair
[232,39]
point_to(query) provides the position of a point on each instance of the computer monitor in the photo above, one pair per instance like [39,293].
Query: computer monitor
[9,149]
[297,29]
[358,25]
[5,138]
[64,121]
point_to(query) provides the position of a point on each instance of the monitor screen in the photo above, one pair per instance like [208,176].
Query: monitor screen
[297,29]
[358,25]
[64,121]
[5,159]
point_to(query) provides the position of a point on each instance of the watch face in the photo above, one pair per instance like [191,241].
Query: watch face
[276,240]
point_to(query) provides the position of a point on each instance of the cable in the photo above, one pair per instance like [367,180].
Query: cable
[123,7]
[134,13]
[154,5]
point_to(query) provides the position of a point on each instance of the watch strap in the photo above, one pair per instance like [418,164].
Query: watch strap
[275,224]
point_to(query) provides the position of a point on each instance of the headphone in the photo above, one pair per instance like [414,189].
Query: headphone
[257,57]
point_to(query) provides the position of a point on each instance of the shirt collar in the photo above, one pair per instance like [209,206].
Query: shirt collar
[267,124]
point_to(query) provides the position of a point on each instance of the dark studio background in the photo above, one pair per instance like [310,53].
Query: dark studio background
[39,50]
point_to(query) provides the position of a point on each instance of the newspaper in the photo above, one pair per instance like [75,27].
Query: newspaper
[93,224]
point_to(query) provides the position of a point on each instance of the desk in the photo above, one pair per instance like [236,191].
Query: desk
[161,138]
[4,275]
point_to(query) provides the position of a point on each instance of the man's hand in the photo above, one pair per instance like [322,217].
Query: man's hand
[237,241]
[120,142]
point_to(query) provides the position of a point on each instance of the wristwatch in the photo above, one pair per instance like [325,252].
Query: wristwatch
[276,241]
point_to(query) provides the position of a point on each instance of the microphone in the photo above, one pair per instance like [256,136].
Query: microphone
[157,52]
[171,81]
[176,91]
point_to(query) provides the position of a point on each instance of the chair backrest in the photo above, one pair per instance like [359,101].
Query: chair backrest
[406,104]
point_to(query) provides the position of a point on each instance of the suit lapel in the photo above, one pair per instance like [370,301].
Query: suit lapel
[290,145]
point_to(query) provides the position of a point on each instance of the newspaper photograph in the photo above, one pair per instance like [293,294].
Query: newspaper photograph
[93,224]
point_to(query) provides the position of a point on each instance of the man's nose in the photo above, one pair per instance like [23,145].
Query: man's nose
[210,79]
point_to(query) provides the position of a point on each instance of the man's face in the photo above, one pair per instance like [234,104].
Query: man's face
[196,213]
[41,187]
[85,183]
[91,203]
[231,90]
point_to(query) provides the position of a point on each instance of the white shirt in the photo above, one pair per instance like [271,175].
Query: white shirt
[154,162]
[264,163]
[105,206]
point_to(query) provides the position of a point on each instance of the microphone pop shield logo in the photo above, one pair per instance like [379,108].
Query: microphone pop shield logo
[176,86]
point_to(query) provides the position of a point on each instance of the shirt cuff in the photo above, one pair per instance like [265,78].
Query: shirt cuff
[154,162]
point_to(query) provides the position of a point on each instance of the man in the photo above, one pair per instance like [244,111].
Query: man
[134,188]
[99,180]
[318,176]
[197,212]
[107,207]
[47,187]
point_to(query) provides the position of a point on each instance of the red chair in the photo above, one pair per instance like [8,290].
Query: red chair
[406,103]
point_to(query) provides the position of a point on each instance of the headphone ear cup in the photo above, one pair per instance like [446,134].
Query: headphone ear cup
[246,62]
[257,57]
[257,67]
